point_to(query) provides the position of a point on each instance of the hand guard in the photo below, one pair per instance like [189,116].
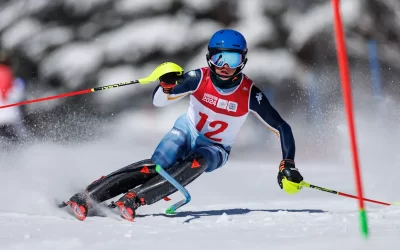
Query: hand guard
[289,177]
[169,81]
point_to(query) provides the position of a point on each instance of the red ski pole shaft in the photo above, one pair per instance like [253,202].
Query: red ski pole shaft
[162,69]
[305,184]
[80,92]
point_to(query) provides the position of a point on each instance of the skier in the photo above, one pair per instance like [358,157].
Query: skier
[12,89]
[221,96]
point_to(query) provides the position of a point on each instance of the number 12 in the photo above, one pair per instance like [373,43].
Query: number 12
[222,126]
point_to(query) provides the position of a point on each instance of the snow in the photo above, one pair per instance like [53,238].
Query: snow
[13,11]
[137,39]
[134,40]
[278,64]
[254,25]
[319,19]
[20,32]
[239,206]
[273,6]
[200,5]
[199,31]
[140,6]
[72,62]
[82,7]
[46,38]
[7,15]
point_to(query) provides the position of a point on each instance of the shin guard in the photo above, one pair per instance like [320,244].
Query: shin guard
[122,180]
[183,172]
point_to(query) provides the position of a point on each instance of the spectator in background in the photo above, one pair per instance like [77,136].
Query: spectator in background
[12,89]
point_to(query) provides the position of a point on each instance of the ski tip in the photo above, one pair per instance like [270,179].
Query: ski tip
[79,211]
[126,213]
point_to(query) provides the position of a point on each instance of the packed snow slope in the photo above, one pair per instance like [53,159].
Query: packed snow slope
[239,206]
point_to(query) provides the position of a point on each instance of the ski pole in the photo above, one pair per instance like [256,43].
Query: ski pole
[172,209]
[308,185]
[164,68]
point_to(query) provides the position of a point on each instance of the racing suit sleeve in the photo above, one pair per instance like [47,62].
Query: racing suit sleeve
[263,110]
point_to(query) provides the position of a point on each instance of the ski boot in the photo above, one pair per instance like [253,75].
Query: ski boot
[128,204]
[80,204]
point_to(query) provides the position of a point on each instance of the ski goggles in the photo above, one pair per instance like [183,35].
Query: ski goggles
[233,59]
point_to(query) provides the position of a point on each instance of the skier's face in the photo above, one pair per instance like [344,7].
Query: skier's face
[225,70]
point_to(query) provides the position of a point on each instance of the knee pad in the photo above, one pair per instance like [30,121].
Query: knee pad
[214,155]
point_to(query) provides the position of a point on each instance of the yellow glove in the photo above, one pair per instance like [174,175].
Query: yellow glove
[289,177]
[291,187]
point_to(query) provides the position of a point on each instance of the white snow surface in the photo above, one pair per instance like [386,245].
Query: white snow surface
[239,206]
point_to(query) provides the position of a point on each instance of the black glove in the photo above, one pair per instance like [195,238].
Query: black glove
[169,81]
[288,169]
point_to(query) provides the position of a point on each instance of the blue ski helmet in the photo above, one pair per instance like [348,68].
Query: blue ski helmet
[227,46]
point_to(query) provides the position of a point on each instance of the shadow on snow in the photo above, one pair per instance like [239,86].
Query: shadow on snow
[232,211]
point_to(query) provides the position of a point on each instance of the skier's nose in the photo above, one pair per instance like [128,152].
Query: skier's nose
[226,66]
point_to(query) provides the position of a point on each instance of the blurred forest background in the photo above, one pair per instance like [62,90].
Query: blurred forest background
[60,46]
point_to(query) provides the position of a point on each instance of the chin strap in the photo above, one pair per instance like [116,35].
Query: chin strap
[229,83]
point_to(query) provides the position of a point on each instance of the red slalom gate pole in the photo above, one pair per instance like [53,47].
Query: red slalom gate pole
[347,98]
